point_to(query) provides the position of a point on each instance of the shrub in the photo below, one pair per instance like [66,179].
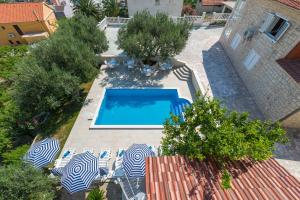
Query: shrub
[96,194]
[15,156]
[146,37]
[22,182]
[188,10]
[211,131]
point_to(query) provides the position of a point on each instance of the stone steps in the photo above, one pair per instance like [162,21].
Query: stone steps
[183,73]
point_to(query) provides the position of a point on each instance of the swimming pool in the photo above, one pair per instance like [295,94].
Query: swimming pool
[147,108]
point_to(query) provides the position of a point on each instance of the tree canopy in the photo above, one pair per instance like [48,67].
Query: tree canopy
[146,37]
[37,89]
[84,29]
[88,8]
[211,131]
[67,53]
[23,182]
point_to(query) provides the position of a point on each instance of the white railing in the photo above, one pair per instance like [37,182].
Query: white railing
[221,16]
[195,20]
[103,24]
[117,20]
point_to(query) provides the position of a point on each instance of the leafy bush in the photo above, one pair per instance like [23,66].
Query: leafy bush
[38,90]
[23,182]
[15,156]
[110,8]
[84,29]
[96,194]
[67,53]
[146,37]
[188,10]
[211,131]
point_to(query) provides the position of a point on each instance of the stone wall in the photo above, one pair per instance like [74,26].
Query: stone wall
[170,7]
[275,92]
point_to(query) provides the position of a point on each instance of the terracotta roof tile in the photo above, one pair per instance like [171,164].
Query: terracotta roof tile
[175,177]
[212,2]
[291,3]
[21,12]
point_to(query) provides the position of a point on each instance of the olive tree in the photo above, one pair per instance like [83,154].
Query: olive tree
[38,90]
[146,37]
[84,29]
[211,131]
[67,53]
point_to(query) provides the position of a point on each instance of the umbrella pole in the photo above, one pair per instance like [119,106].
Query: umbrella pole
[129,185]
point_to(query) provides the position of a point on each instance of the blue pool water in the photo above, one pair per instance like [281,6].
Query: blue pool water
[139,106]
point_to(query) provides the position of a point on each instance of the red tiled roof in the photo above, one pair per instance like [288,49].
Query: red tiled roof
[292,67]
[174,177]
[21,12]
[291,3]
[212,2]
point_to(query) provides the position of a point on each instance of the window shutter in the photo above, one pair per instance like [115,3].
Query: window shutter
[251,60]
[268,21]
[236,41]
[283,29]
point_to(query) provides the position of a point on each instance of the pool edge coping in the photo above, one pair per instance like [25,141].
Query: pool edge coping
[95,127]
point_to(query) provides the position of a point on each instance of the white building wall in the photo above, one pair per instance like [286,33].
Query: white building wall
[170,7]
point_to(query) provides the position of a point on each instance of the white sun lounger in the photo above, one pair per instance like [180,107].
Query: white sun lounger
[104,157]
[152,147]
[65,159]
[119,158]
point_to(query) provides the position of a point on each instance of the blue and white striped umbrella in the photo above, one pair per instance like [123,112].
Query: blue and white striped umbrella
[134,160]
[79,173]
[43,152]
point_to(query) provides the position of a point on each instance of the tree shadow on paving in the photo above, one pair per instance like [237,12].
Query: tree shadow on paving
[122,77]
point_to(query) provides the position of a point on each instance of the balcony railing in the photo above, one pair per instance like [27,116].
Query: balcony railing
[195,20]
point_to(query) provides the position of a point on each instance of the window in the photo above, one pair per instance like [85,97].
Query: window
[157,2]
[236,41]
[274,26]
[11,42]
[251,60]
[18,29]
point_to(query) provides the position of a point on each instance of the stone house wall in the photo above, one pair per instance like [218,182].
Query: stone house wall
[170,7]
[275,92]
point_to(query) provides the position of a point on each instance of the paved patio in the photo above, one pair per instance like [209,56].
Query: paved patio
[204,55]
[82,137]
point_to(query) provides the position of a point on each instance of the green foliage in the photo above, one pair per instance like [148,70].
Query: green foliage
[146,37]
[88,8]
[226,180]
[15,156]
[38,90]
[210,131]
[193,3]
[84,29]
[110,8]
[96,194]
[5,141]
[67,53]
[9,56]
[23,182]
